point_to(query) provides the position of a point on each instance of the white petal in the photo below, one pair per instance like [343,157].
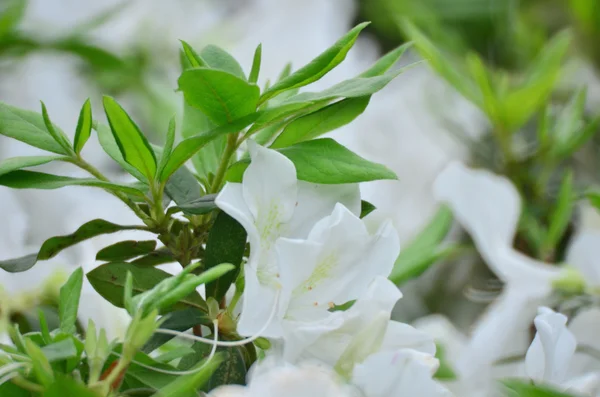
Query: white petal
[587,384]
[583,253]
[316,201]
[269,187]
[404,336]
[230,391]
[231,201]
[535,360]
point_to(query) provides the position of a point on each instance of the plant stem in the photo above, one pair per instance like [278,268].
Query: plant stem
[27,385]
[229,151]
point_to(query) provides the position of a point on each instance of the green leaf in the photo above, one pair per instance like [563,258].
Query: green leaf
[192,56]
[20,179]
[166,152]
[520,388]
[17,163]
[322,121]
[186,385]
[561,214]
[133,145]
[158,257]
[44,327]
[56,133]
[54,245]
[225,244]
[69,302]
[125,250]
[384,63]
[41,366]
[256,64]
[27,127]
[11,15]
[422,251]
[223,97]
[199,206]
[12,390]
[84,127]
[183,187]
[217,58]
[231,372]
[109,281]
[324,161]
[366,208]
[188,147]
[110,146]
[68,386]
[180,320]
[444,371]
[318,67]
[60,350]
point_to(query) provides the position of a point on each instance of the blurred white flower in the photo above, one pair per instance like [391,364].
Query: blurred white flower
[271,203]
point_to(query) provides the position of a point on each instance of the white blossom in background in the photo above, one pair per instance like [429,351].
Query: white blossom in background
[271,203]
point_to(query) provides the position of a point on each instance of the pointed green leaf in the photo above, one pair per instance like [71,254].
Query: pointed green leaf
[27,127]
[110,146]
[366,208]
[188,147]
[84,127]
[69,302]
[125,250]
[41,367]
[38,180]
[183,187]
[226,244]
[109,281]
[187,385]
[217,58]
[168,149]
[318,67]
[256,64]
[223,97]
[521,388]
[17,163]
[56,133]
[192,56]
[322,121]
[68,386]
[384,63]
[133,145]
[60,350]
[561,214]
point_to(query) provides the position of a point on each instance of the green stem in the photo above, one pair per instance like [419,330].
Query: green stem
[229,151]
[504,138]
[27,385]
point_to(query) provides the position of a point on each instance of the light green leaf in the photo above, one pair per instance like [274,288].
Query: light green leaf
[125,250]
[84,127]
[166,152]
[186,385]
[38,180]
[11,14]
[226,243]
[69,302]
[133,145]
[27,127]
[217,58]
[110,146]
[560,216]
[17,163]
[223,97]
[256,65]
[521,388]
[56,133]
[68,386]
[60,350]
[192,56]
[384,63]
[41,367]
[324,161]
[322,121]
[318,67]
[180,320]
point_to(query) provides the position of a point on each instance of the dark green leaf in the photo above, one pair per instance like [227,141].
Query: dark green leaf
[322,121]
[324,161]
[110,146]
[166,152]
[366,208]
[84,127]
[17,163]
[133,145]
[124,250]
[12,390]
[183,187]
[180,320]
[158,257]
[27,127]
[199,206]
[226,244]
[38,180]
[55,132]
[54,245]
[561,214]
[256,65]
[187,148]
[109,281]
[223,97]
[422,251]
[69,302]
[318,67]
[217,58]
[67,386]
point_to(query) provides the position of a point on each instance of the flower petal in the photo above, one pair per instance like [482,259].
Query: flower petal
[583,253]
[404,336]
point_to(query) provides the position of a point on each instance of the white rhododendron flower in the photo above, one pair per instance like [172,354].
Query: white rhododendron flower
[271,203]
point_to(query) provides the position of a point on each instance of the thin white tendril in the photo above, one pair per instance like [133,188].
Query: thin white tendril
[226,343]
[5,369]
[7,378]
[188,372]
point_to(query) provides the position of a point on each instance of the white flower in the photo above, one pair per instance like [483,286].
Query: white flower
[488,206]
[552,349]
[347,337]
[271,203]
[274,379]
[403,372]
